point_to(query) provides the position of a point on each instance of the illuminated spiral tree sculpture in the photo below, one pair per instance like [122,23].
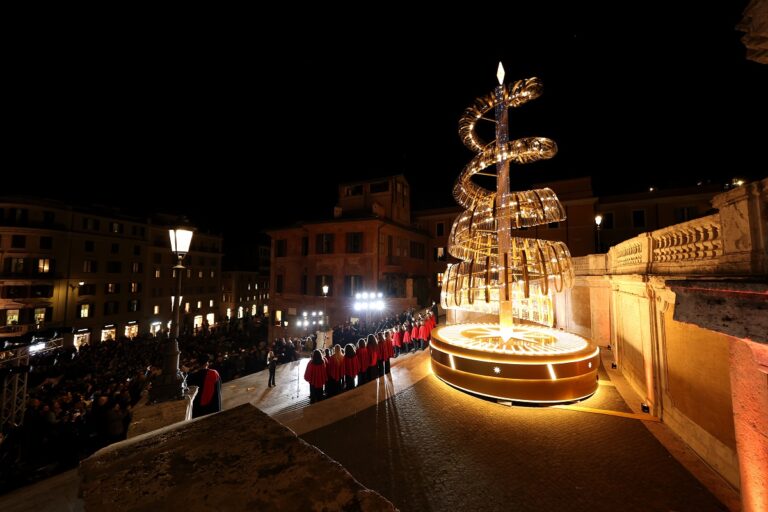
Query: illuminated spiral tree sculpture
[508,275]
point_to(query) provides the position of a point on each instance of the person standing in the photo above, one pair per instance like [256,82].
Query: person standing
[317,375]
[272,365]
[208,382]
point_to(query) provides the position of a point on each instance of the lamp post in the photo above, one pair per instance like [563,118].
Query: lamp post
[598,221]
[170,385]
[326,317]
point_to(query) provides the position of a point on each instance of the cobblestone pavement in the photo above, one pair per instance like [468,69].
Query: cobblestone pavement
[434,448]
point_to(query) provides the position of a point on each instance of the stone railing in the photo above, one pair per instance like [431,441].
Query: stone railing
[732,241]
[630,256]
[696,239]
[690,247]
[589,265]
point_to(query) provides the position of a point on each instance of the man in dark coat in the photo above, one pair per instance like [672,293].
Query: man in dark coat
[208,382]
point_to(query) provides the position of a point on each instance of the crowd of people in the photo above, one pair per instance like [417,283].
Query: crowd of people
[335,369]
[81,399]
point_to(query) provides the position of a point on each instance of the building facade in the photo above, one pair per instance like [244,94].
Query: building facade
[243,294]
[98,273]
[369,246]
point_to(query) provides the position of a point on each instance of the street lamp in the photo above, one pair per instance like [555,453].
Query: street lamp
[325,306]
[598,221]
[170,385]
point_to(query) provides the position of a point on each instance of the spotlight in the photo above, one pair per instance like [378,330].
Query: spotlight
[645,408]
[613,366]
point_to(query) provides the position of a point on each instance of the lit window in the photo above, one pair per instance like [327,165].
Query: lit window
[157,273]
[85,310]
[134,287]
[249,286]
[199,304]
[439,279]
[156,310]
[200,274]
[212,273]
[43,265]
[210,303]
[186,307]
[189,272]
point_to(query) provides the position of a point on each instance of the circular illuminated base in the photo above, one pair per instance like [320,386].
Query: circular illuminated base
[529,364]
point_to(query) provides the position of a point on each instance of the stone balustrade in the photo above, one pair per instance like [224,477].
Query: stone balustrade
[732,241]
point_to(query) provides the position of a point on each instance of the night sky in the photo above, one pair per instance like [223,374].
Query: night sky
[632,98]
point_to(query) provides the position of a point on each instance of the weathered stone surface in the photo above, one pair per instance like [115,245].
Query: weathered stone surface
[737,308]
[148,417]
[239,459]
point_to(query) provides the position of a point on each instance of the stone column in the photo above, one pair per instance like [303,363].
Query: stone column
[749,392]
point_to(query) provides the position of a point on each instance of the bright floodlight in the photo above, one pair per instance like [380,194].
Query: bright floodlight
[598,219]
[181,238]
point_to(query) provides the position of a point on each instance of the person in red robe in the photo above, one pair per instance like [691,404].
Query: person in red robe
[351,366]
[338,375]
[406,338]
[373,357]
[423,334]
[208,382]
[316,374]
[386,351]
[397,340]
[364,360]
[331,367]
[415,335]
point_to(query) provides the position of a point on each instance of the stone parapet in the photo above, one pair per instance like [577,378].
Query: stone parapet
[148,417]
[238,459]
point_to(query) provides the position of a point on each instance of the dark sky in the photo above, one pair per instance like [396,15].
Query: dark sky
[635,98]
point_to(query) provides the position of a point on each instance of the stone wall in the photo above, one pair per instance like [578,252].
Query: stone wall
[238,459]
[678,306]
